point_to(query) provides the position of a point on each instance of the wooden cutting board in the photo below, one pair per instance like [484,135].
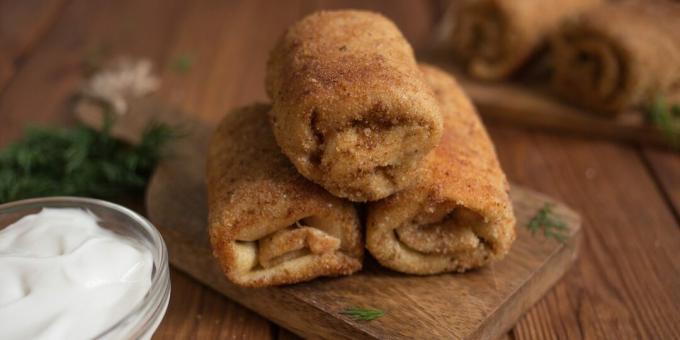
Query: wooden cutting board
[529,104]
[481,304]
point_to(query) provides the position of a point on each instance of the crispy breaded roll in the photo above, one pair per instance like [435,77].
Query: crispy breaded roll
[350,108]
[496,37]
[619,56]
[458,215]
[269,225]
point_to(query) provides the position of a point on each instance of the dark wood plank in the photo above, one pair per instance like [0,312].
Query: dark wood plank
[52,73]
[22,24]
[666,168]
[199,313]
[625,283]
[127,28]
[284,334]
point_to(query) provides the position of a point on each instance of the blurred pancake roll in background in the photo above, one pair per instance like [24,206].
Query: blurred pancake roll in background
[268,225]
[351,110]
[494,38]
[619,56]
[458,214]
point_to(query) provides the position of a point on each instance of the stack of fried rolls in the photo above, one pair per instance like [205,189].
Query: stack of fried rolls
[457,215]
[353,117]
[619,56]
[351,110]
[269,225]
[494,38]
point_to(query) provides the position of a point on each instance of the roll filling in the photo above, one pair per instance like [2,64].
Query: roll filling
[446,230]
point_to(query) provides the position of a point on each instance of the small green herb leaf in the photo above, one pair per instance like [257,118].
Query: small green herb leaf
[182,64]
[550,224]
[363,314]
[666,118]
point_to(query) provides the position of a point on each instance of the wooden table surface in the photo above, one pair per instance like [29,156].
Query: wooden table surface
[626,283]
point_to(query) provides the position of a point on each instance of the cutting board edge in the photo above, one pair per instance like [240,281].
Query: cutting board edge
[512,309]
[264,301]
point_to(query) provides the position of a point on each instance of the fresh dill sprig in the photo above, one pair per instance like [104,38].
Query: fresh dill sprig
[363,314]
[182,63]
[666,118]
[545,220]
[78,161]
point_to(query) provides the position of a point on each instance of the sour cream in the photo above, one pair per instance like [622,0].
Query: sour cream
[62,276]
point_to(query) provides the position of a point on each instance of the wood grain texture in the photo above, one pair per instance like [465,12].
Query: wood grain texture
[198,313]
[22,25]
[665,166]
[627,279]
[478,305]
[40,90]
[284,334]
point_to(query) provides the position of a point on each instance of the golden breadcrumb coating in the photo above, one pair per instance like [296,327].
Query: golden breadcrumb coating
[350,108]
[268,225]
[458,215]
[496,37]
[620,56]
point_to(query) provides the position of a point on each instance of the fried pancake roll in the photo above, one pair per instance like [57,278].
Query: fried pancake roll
[269,225]
[351,110]
[620,56]
[458,215]
[494,38]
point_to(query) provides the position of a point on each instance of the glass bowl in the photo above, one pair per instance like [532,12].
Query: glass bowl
[142,321]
